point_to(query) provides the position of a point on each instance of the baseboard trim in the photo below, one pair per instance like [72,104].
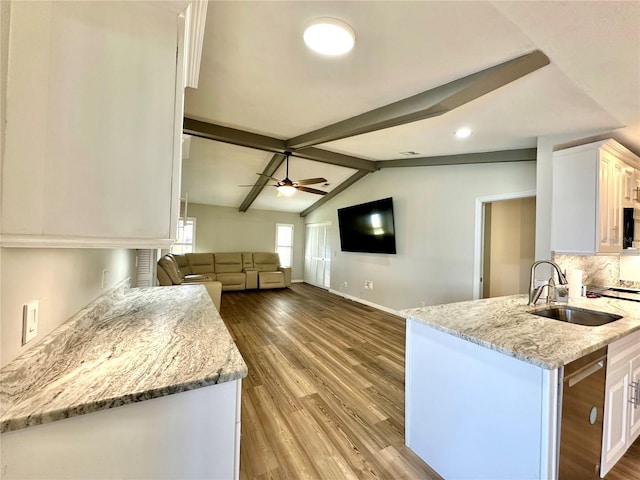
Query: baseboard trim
[367,302]
[297,281]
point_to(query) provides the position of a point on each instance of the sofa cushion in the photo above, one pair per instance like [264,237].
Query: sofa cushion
[183,265]
[270,280]
[209,277]
[247,260]
[228,263]
[168,263]
[200,263]
[266,261]
[163,278]
[232,281]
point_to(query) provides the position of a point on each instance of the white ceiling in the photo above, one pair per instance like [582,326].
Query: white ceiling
[257,75]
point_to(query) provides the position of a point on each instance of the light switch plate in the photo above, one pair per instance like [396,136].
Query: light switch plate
[30,321]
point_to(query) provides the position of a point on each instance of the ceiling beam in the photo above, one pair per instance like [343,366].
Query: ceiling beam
[242,138]
[268,171]
[520,155]
[427,104]
[340,188]
[339,159]
[234,136]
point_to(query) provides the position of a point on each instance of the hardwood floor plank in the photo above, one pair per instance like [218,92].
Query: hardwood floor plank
[628,468]
[324,398]
[289,452]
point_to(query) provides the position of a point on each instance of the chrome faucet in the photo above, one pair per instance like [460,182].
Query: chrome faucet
[534,293]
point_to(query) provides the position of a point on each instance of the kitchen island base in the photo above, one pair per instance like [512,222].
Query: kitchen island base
[472,412]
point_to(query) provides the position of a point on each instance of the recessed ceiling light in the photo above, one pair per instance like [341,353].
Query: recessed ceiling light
[329,36]
[463,132]
[410,153]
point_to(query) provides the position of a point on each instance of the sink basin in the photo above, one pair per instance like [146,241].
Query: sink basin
[578,316]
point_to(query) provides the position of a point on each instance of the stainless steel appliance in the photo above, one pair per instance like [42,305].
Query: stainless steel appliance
[631,228]
[583,392]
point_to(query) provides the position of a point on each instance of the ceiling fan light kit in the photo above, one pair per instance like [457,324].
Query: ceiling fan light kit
[329,36]
[287,190]
[288,187]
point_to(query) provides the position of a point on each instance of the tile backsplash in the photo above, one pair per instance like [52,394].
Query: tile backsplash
[604,270]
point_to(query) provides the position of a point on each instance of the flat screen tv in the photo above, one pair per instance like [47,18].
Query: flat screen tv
[368,227]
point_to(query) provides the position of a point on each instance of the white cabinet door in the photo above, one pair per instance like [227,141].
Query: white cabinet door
[634,407]
[615,435]
[610,203]
[93,117]
[605,193]
[628,184]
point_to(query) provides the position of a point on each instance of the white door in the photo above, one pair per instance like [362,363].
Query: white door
[317,255]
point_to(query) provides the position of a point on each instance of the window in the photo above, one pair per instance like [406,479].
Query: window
[284,243]
[186,236]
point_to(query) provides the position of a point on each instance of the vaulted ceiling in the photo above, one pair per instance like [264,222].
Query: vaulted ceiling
[262,91]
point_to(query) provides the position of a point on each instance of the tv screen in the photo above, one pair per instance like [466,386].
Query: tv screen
[368,227]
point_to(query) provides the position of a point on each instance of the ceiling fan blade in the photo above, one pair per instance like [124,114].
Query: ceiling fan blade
[268,176]
[311,190]
[311,181]
[257,185]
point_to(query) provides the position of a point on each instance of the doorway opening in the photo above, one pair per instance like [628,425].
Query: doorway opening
[505,244]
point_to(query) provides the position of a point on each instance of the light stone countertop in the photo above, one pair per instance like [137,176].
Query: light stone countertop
[503,324]
[128,346]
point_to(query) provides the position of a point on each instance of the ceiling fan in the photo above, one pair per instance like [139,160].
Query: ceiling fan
[288,187]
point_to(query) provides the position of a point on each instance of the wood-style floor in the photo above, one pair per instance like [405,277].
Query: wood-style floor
[628,468]
[324,398]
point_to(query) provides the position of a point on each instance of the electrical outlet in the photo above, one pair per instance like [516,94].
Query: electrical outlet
[105,274]
[30,321]
[368,285]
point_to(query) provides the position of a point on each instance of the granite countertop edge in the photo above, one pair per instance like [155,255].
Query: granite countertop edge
[149,309]
[506,325]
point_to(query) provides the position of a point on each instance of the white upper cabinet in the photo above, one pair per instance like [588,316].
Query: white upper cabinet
[635,193]
[591,184]
[94,120]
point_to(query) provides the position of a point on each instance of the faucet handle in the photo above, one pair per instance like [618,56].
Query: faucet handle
[551,290]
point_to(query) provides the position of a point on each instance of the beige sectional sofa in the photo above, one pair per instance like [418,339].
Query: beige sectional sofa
[234,270]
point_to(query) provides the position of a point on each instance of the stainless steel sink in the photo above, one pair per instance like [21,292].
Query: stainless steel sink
[578,316]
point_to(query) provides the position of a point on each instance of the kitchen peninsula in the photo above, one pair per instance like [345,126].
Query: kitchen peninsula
[482,396]
[162,356]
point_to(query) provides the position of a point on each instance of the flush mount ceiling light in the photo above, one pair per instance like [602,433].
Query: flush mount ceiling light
[329,36]
[463,132]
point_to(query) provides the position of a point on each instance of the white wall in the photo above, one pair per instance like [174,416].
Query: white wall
[225,229]
[434,221]
[63,280]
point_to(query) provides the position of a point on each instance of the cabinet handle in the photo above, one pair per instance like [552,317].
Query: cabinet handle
[635,397]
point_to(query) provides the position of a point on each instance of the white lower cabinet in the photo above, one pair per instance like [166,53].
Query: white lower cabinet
[622,400]
[187,435]
[634,408]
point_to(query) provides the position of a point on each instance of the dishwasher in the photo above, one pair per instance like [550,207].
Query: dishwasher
[583,393]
